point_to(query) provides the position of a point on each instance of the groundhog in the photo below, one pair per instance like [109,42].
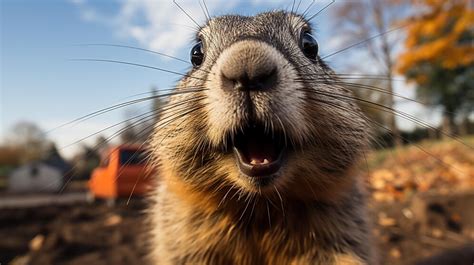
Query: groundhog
[257,153]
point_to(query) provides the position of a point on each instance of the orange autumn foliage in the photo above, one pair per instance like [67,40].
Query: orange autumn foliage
[440,34]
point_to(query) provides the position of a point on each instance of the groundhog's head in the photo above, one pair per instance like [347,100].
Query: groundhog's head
[260,113]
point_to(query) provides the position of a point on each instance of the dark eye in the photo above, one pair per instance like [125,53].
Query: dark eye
[197,55]
[309,45]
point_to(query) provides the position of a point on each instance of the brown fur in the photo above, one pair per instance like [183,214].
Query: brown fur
[206,212]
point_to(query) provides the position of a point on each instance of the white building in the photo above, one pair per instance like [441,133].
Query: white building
[35,177]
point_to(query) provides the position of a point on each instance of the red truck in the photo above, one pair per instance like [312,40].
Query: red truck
[123,172]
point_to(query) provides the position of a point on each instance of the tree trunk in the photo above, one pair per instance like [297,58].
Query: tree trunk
[447,127]
[463,126]
[378,12]
[432,135]
[397,140]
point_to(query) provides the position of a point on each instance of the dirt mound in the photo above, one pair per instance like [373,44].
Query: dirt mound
[76,234]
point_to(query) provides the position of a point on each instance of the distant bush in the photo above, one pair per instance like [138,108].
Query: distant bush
[10,156]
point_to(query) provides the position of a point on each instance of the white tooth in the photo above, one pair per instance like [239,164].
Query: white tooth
[265,161]
[253,162]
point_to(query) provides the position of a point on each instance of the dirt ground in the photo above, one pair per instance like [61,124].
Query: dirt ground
[75,234]
[426,226]
[99,234]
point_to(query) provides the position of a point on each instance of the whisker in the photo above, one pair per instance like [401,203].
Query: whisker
[176,117]
[187,14]
[153,92]
[308,8]
[369,87]
[133,189]
[364,41]
[389,130]
[133,48]
[325,7]
[128,162]
[206,15]
[119,132]
[359,85]
[145,50]
[144,131]
[225,196]
[293,6]
[135,64]
[360,77]
[207,10]
[297,7]
[281,200]
[390,110]
[145,115]
[161,124]
[439,160]
[255,199]
[246,206]
[121,105]
[268,213]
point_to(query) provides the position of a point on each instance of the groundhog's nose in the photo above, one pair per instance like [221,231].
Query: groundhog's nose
[248,81]
[248,67]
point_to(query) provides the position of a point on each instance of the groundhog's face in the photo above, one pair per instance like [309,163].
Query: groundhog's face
[260,112]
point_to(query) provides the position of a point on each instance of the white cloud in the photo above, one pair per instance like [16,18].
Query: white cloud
[155,24]
[77,2]
[88,13]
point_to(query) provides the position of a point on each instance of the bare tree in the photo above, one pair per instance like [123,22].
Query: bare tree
[362,20]
[129,133]
[102,144]
[85,161]
[30,139]
[138,128]
[157,105]
[374,114]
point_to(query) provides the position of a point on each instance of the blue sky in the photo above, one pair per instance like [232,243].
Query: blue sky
[40,84]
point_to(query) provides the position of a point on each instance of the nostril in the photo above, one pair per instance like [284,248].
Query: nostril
[267,80]
[248,82]
[231,80]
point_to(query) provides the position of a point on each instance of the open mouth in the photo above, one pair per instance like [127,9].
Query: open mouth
[259,153]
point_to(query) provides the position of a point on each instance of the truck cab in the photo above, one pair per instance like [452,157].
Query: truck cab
[123,172]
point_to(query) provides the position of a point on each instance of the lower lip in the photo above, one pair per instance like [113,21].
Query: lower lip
[259,171]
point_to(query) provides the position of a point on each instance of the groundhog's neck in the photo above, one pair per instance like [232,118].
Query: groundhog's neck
[276,229]
[263,211]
